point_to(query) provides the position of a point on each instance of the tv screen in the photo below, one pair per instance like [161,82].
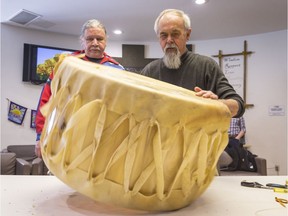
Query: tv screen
[39,61]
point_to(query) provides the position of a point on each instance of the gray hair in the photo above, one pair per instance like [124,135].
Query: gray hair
[93,23]
[176,12]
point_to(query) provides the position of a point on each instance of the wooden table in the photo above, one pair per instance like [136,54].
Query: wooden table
[48,196]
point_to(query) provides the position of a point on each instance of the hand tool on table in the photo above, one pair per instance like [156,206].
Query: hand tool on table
[271,186]
[275,187]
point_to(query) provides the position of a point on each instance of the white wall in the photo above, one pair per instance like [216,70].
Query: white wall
[25,94]
[267,84]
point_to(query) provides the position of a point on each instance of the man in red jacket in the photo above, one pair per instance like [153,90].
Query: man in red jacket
[93,40]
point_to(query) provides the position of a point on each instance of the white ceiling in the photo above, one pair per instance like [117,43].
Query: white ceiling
[216,19]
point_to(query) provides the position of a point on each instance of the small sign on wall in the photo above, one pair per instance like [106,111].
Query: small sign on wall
[276,110]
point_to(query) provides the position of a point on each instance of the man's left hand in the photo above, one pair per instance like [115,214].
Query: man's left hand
[205,94]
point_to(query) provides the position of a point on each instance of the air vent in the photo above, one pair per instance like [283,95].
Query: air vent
[24,17]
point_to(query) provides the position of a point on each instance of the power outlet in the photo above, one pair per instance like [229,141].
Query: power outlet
[277,168]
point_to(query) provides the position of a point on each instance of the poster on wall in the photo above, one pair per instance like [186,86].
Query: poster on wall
[33,117]
[16,113]
[233,69]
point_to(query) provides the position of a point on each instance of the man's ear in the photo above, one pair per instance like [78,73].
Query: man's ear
[188,33]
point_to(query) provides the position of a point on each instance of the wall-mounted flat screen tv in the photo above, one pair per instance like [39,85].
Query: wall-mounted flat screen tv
[39,61]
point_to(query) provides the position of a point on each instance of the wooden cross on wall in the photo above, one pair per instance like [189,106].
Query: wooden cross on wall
[245,53]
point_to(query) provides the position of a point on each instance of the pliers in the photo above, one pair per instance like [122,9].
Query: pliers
[255,185]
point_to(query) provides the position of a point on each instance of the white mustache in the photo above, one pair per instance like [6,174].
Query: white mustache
[170,46]
[94,48]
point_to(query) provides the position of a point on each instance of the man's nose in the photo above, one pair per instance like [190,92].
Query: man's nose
[94,41]
[170,39]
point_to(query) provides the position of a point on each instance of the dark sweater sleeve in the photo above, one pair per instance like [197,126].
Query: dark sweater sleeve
[220,85]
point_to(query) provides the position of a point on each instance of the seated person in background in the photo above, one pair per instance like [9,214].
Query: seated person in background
[93,40]
[242,159]
[237,129]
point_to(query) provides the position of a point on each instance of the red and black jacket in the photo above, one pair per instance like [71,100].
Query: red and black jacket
[46,91]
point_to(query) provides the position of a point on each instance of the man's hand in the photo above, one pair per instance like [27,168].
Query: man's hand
[38,149]
[230,103]
[205,94]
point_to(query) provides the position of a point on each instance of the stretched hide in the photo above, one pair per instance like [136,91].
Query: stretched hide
[129,140]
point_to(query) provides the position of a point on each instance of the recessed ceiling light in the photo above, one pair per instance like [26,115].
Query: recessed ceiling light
[200,1]
[117,32]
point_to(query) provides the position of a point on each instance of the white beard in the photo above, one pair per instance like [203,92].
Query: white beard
[172,60]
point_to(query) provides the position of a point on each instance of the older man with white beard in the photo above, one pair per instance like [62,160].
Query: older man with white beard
[186,69]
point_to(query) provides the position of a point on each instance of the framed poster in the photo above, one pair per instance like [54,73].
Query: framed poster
[16,113]
[33,117]
[233,69]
